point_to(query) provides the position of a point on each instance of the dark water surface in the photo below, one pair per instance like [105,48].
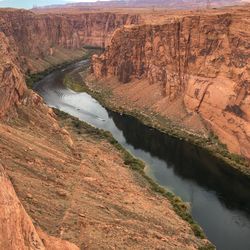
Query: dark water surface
[219,198]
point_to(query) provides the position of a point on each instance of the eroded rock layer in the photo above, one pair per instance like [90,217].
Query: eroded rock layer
[26,38]
[200,62]
[16,227]
[37,35]
[12,84]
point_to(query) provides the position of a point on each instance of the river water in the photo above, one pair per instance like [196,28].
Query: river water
[219,198]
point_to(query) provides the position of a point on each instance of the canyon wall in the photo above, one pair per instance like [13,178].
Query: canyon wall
[25,38]
[199,61]
[37,34]
[12,84]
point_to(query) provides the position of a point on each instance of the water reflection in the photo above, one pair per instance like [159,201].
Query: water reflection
[188,162]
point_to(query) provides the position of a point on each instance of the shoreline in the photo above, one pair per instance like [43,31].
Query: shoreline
[179,207]
[33,78]
[211,144]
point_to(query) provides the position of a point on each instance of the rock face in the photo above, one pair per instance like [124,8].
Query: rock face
[12,84]
[25,36]
[36,34]
[16,228]
[201,60]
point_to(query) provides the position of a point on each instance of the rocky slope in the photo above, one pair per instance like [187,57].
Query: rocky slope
[75,187]
[17,230]
[193,70]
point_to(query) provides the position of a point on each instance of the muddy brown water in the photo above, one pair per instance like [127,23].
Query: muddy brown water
[219,198]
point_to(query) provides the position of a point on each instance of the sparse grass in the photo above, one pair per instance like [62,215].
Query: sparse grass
[70,83]
[208,246]
[137,165]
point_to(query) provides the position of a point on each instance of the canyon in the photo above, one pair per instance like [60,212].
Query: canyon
[192,69]
[31,43]
[74,189]
[65,185]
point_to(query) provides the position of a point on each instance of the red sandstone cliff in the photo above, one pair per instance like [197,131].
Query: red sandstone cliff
[200,62]
[26,37]
[12,84]
[35,34]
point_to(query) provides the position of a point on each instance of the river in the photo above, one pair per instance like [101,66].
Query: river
[219,198]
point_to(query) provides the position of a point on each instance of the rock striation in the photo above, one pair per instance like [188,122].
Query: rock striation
[17,230]
[37,34]
[12,83]
[200,61]
[26,37]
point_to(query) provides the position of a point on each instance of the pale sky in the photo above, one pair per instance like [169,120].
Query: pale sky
[30,3]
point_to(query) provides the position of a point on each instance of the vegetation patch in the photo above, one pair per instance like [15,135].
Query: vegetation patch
[91,47]
[72,84]
[31,79]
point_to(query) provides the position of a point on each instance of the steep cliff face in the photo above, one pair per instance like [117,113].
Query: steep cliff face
[12,84]
[26,38]
[201,62]
[37,35]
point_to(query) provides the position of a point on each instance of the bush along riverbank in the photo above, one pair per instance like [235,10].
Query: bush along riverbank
[211,143]
[137,165]
[31,79]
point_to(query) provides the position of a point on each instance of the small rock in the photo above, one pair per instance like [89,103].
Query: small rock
[62,193]
[101,206]
[29,196]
